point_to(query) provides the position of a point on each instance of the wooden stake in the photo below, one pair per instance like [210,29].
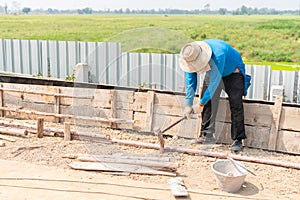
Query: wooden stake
[275,125]
[150,107]
[1,101]
[40,127]
[57,105]
[113,109]
[67,132]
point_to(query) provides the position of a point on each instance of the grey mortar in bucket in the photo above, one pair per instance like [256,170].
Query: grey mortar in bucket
[229,175]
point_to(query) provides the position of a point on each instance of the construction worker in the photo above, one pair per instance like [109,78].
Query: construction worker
[224,69]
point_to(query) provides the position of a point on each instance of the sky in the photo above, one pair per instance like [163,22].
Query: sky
[152,4]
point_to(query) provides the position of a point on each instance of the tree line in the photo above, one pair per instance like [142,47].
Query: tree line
[243,10]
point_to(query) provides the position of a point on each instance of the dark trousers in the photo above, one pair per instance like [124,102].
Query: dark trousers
[234,87]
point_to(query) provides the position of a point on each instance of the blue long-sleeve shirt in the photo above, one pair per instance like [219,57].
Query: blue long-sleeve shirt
[225,59]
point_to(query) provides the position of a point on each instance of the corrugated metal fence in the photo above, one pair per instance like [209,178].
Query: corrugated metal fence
[109,65]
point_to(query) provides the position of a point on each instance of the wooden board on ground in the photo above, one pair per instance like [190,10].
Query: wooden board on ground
[110,167]
[177,187]
[129,157]
[148,163]
[4,137]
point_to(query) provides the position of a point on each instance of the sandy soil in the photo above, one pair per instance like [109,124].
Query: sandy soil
[270,183]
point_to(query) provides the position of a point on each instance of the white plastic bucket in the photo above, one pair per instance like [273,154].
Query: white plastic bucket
[229,176]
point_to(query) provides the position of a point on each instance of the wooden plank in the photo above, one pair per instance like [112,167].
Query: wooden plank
[77,101]
[223,133]
[140,102]
[99,119]
[288,142]
[275,124]
[85,111]
[116,156]
[77,96]
[77,92]
[255,114]
[4,137]
[149,113]
[168,104]
[29,111]
[177,187]
[48,93]
[257,136]
[121,160]
[13,131]
[258,114]
[139,122]
[44,94]
[110,167]
[25,87]
[102,98]
[124,99]
[125,115]
[290,118]
[170,100]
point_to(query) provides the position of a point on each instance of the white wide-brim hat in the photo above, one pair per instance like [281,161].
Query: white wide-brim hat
[194,56]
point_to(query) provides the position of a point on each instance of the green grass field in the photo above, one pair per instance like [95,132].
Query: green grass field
[274,40]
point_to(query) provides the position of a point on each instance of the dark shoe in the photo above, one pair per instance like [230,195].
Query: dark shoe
[237,146]
[209,139]
[204,140]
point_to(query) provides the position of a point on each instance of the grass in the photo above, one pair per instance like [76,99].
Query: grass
[274,40]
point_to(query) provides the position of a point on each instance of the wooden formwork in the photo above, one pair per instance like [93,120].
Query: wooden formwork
[269,125]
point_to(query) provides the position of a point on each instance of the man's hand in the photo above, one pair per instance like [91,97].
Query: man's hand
[197,109]
[189,110]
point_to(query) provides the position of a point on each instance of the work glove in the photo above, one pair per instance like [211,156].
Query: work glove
[197,109]
[189,110]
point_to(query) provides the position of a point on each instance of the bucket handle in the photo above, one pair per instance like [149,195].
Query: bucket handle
[236,163]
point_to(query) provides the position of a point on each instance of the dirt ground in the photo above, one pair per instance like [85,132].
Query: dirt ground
[271,182]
